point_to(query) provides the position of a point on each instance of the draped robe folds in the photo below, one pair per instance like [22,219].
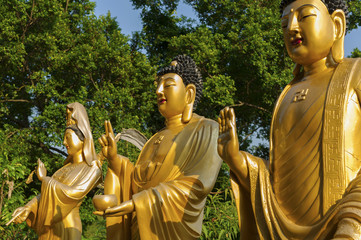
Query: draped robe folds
[169,195]
[326,181]
[55,212]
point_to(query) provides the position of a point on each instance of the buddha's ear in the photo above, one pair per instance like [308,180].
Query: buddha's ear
[190,97]
[339,22]
[190,93]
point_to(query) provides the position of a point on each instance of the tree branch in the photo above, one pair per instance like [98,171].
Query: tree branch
[66,6]
[15,100]
[48,148]
[58,151]
[250,105]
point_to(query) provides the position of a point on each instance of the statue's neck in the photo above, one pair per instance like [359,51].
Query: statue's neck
[77,157]
[316,67]
[174,122]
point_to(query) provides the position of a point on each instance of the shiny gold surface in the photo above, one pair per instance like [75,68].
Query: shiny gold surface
[102,202]
[312,187]
[162,196]
[54,214]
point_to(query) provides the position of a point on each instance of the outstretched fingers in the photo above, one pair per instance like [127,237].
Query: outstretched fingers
[40,163]
[110,129]
[106,128]
[223,120]
[226,116]
[231,123]
[220,124]
[232,116]
[99,213]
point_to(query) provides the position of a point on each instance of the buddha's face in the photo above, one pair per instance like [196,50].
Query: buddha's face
[72,142]
[171,95]
[308,31]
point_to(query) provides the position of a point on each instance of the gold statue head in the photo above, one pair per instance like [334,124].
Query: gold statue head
[78,132]
[179,88]
[73,140]
[314,30]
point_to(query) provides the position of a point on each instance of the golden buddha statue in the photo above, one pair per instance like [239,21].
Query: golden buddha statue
[312,186]
[54,214]
[163,195]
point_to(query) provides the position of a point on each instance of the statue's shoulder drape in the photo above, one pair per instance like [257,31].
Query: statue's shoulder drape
[172,207]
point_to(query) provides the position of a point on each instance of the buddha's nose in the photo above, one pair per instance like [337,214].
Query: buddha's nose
[293,27]
[159,90]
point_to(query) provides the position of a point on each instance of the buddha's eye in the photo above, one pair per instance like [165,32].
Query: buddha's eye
[168,84]
[306,16]
[307,12]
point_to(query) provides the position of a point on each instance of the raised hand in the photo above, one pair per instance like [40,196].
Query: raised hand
[108,142]
[20,215]
[41,170]
[228,146]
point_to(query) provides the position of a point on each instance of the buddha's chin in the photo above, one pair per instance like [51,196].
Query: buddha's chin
[162,111]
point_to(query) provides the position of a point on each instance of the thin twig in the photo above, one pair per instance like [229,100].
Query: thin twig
[14,100]
[250,105]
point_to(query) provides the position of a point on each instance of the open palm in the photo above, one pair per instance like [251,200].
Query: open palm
[228,145]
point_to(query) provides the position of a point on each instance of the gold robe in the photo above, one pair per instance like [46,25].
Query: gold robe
[55,212]
[317,175]
[169,195]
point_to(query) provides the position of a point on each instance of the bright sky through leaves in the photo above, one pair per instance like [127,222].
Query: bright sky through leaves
[129,19]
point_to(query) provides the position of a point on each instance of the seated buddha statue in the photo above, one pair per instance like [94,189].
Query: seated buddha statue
[311,188]
[163,195]
[54,214]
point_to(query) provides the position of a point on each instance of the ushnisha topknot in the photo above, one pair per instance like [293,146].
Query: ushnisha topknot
[331,5]
[187,69]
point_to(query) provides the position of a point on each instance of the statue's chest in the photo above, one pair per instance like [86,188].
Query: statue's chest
[160,145]
[146,173]
[303,103]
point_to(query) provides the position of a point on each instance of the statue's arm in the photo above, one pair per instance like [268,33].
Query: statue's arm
[79,188]
[109,150]
[118,178]
[228,146]
[26,213]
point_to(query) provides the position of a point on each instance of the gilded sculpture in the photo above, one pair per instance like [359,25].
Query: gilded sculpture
[163,195]
[54,214]
[312,186]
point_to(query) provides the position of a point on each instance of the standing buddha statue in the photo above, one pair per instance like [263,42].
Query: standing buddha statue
[163,195]
[312,186]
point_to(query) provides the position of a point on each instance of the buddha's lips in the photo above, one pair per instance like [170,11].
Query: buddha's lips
[161,101]
[296,41]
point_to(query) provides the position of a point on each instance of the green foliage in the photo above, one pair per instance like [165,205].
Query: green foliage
[356,53]
[355,14]
[220,216]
